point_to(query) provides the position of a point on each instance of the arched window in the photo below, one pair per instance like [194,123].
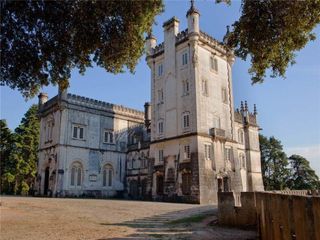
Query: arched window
[242,160]
[76,174]
[107,175]
[240,136]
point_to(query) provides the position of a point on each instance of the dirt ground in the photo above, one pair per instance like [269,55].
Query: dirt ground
[54,218]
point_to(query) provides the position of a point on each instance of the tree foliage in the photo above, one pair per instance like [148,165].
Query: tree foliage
[42,41]
[273,163]
[302,175]
[20,162]
[271,31]
[280,172]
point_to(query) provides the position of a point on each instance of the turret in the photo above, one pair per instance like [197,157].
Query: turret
[193,16]
[147,115]
[43,98]
[150,44]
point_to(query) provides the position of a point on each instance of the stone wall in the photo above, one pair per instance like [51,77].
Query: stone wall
[277,216]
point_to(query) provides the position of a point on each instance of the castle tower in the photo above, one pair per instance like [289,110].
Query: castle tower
[194,146]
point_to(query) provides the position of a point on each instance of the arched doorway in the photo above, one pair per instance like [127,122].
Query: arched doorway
[46,182]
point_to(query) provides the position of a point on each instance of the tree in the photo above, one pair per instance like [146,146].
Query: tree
[271,31]
[42,41]
[6,142]
[20,164]
[302,176]
[273,164]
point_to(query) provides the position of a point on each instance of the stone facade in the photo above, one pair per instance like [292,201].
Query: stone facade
[189,143]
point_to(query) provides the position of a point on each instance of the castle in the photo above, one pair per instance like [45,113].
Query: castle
[187,145]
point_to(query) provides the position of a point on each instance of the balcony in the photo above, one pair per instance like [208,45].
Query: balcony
[217,133]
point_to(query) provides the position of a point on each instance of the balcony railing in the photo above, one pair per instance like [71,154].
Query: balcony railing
[217,132]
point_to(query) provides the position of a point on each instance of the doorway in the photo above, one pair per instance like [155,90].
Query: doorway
[46,182]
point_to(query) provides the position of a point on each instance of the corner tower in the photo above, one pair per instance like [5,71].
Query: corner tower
[194,146]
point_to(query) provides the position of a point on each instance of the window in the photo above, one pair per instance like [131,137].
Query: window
[216,122]
[76,174]
[224,95]
[160,96]
[49,128]
[160,127]
[186,152]
[184,58]
[214,64]
[185,87]
[160,155]
[108,136]
[185,121]
[107,175]
[186,183]
[241,136]
[170,175]
[208,151]
[160,69]
[242,160]
[204,87]
[227,154]
[78,132]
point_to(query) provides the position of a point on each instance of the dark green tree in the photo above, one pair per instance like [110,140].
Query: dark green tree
[302,175]
[274,164]
[42,41]
[20,165]
[6,143]
[271,31]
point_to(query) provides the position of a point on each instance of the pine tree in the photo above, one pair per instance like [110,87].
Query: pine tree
[302,175]
[274,162]
[20,164]
[6,143]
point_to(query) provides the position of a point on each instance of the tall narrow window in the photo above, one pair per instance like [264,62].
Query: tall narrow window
[76,174]
[186,183]
[185,87]
[204,87]
[214,64]
[160,127]
[208,152]
[184,58]
[185,121]
[160,96]
[227,154]
[186,151]
[78,132]
[108,136]
[241,136]
[160,69]
[242,160]
[224,95]
[107,175]
[161,155]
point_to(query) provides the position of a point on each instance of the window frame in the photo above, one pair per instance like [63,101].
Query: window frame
[110,137]
[77,134]
[185,60]
[186,121]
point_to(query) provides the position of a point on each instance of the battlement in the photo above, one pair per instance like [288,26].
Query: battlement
[183,36]
[213,42]
[100,105]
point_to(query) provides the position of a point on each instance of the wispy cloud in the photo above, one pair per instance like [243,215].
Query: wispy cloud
[311,153]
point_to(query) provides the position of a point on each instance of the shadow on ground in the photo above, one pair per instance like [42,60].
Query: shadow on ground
[195,223]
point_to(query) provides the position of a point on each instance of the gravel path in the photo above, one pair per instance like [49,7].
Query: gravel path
[54,218]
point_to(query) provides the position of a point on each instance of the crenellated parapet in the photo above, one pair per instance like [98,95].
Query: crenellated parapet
[104,106]
[244,116]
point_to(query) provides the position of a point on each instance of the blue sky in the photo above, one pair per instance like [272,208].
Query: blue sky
[288,109]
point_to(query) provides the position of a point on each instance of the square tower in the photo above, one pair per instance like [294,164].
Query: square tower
[194,142]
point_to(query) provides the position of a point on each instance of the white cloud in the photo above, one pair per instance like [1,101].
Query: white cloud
[311,153]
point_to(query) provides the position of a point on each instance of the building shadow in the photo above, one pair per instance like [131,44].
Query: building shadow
[163,226]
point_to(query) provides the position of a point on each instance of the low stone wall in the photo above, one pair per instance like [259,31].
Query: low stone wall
[277,216]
